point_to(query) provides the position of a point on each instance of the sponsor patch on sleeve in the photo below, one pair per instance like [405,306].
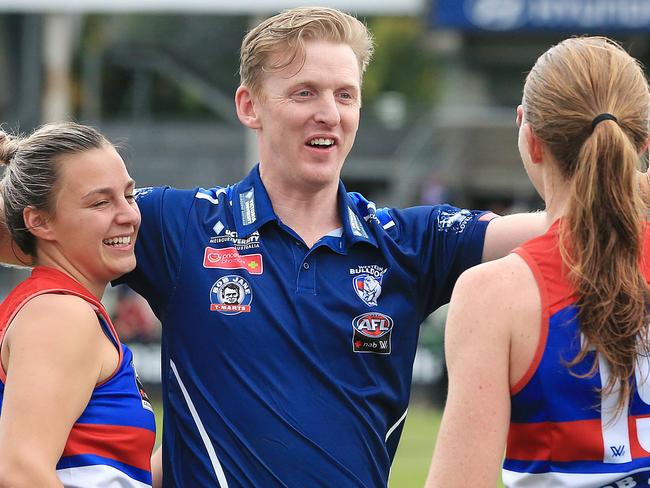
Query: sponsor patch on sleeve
[454,221]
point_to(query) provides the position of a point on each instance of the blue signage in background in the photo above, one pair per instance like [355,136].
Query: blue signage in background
[535,15]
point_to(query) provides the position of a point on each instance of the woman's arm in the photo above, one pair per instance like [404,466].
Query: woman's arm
[54,353]
[157,468]
[472,438]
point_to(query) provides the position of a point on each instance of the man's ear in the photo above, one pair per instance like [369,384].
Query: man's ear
[535,146]
[246,103]
[38,223]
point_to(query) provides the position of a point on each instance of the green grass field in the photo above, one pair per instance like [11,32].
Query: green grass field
[413,455]
[411,463]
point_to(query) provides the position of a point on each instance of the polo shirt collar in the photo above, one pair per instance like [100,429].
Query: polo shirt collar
[252,208]
[251,204]
[355,227]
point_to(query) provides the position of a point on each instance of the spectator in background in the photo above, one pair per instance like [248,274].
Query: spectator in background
[548,349]
[434,190]
[133,318]
[72,413]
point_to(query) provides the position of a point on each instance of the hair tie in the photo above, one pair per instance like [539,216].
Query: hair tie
[599,118]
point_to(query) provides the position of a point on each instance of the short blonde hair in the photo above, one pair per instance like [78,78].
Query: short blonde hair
[287,32]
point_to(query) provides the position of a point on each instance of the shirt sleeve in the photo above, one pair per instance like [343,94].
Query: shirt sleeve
[444,241]
[159,246]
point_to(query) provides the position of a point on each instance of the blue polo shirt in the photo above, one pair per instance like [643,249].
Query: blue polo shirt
[284,365]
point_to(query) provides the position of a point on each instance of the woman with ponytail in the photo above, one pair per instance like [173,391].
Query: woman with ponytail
[71,411]
[548,348]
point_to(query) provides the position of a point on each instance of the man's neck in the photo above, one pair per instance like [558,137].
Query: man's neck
[310,215]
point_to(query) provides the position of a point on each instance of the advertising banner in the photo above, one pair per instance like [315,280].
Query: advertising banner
[545,15]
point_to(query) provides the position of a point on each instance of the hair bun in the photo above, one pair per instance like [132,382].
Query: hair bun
[8,147]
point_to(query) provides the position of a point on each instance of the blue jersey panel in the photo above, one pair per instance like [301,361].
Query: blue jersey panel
[164,227]
[285,365]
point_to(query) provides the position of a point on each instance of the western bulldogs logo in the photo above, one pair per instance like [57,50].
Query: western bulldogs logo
[231,295]
[367,282]
[454,220]
[372,333]
[368,288]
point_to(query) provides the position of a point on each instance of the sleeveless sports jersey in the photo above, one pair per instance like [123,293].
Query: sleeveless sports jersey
[284,365]
[560,436]
[110,444]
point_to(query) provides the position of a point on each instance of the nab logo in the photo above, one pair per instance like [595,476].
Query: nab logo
[373,324]
[617,451]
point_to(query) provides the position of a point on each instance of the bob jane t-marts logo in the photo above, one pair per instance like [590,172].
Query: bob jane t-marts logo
[231,295]
[372,333]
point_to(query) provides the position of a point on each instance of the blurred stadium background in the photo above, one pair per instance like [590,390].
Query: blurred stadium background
[158,77]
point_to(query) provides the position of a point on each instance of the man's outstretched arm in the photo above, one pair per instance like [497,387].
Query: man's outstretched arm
[506,233]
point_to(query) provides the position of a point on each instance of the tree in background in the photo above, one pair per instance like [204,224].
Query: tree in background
[402,61]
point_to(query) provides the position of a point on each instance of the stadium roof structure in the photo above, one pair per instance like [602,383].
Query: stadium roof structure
[240,7]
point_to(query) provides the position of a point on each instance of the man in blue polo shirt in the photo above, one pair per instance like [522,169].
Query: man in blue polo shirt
[290,307]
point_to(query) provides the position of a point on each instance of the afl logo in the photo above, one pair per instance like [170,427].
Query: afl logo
[373,324]
[231,295]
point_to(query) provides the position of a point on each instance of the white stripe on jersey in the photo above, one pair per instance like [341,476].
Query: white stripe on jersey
[97,476]
[390,431]
[512,479]
[216,465]
[210,198]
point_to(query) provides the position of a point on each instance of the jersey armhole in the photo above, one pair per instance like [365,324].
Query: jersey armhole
[111,334]
[3,334]
[102,319]
[544,321]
